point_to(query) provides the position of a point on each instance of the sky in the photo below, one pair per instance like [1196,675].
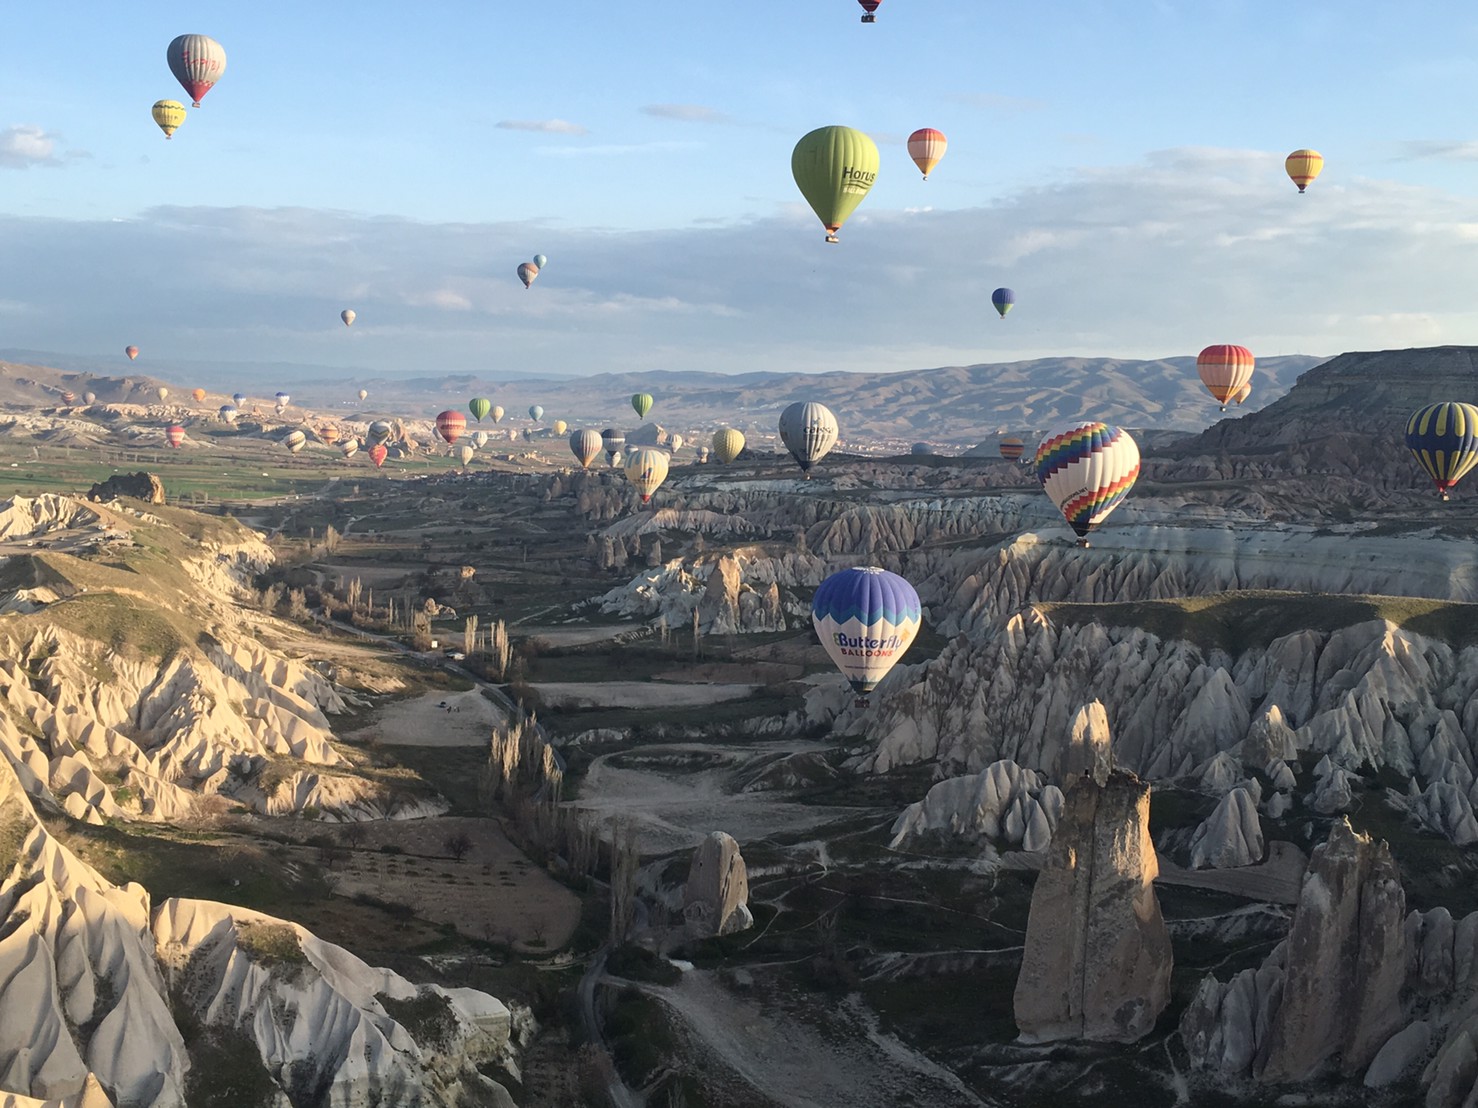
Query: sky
[1117,162]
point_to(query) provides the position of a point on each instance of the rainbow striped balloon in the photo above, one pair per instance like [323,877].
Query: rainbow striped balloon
[1444,440]
[1087,469]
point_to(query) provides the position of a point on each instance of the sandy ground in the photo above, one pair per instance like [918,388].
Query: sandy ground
[1277,880]
[635,694]
[673,809]
[467,720]
[582,635]
[800,1065]
[495,893]
[732,673]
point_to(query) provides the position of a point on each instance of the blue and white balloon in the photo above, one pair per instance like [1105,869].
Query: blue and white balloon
[866,618]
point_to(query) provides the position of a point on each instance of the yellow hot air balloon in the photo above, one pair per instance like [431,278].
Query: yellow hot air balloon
[1303,166]
[329,433]
[646,468]
[560,427]
[727,444]
[163,392]
[834,167]
[169,114]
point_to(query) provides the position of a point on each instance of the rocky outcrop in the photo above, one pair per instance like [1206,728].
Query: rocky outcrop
[136,486]
[1097,960]
[716,896]
[1231,835]
[1003,804]
[91,979]
[1330,995]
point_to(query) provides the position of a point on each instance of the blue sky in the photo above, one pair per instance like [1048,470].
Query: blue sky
[1118,163]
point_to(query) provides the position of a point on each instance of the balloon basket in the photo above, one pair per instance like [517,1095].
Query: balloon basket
[832,239]
[869,18]
[860,702]
[1083,544]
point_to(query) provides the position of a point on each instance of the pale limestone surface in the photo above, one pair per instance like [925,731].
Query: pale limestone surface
[716,896]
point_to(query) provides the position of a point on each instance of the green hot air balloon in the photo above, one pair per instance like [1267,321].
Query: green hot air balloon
[834,167]
[642,402]
[479,407]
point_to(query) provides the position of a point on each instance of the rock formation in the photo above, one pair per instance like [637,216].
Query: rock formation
[91,979]
[1097,960]
[1330,995]
[1002,804]
[1231,835]
[716,897]
[137,486]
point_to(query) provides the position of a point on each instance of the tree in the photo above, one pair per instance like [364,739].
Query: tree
[457,845]
[469,636]
[625,860]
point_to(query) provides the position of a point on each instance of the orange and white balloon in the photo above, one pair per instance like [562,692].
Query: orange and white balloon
[926,147]
[1224,369]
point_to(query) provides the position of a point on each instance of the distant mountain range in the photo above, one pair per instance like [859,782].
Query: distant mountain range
[950,406]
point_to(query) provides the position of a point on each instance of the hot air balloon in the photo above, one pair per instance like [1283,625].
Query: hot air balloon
[174,435]
[295,441]
[132,352]
[613,440]
[282,399]
[540,261]
[238,398]
[89,398]
[1225,369]
[169,114]
[479,406]
[675,443]
[497,414]
[536,413]
[727,444]
[586,446]
[198,394]
[1303,166]
[1241,394]
[869,10]
[1003,299]
[1086,469]
[642,402]
[809,431]
[378,453]
[834,167]
[329,433]
[1444,440]
[467,453]
[1012,448]
[197,61]
[228,413]
[363,393]
[348,315]
[450,424]
[920,449]
[162,392]
[926,147]
[703,455]
[527,272]
[350,447]
[866,618]
[646,468]
[479,439]
[379,431]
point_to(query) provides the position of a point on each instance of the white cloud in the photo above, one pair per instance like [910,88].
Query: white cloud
[543,126]
[23,146]
[687,113]
[1450,151]
[615,149]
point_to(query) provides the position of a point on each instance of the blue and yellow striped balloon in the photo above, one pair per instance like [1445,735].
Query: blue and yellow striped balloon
[1444,440]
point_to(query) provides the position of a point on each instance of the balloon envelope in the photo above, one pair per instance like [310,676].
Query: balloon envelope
[586,447]
[1241,394]
[527,272]
[560,427]
[197,62]
[238,398]
[348,315]
[363,393]
[834,167]
[379,431]
[479,406]
[866,618]
[727,444]
[450,424]
[536,413]
[809,431]
[479,439]
[646,468]
[675,443]
[497,414]
[162,392]
[131,351]
[1444,440]
[1087,469]
[1303,166]
[350,447]
[378,453]
[926,147]
[642,402]
[89,398]
[613,440]
[869,7]
[282,399]
[198,394]
[295,441]
[1224,369]
[1003,299]
[540,261]
[169,114]
[228,413]
[467,453]
[1012,448]
[175,435]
